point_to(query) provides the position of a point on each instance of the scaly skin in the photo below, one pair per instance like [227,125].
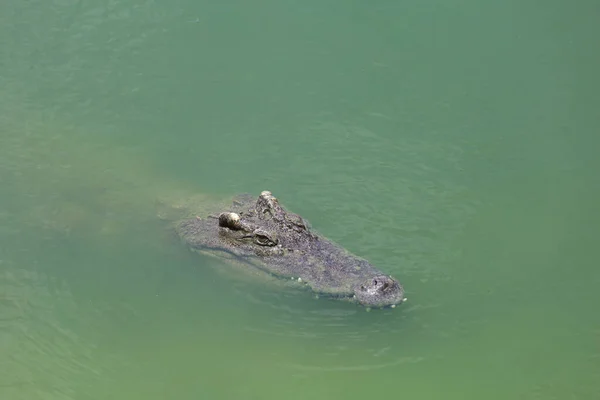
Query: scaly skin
[263,234]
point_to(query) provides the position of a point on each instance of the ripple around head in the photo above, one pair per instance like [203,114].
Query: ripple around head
[321,334]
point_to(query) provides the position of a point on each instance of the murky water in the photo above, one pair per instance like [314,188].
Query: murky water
[454,145]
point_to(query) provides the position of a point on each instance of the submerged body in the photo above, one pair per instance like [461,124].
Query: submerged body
[262,234]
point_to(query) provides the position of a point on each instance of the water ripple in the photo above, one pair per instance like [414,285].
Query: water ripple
[43,353]
[366,367]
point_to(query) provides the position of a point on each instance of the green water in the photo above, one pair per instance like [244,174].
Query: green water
[453,144]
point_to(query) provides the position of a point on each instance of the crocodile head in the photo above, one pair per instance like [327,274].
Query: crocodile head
[264,234]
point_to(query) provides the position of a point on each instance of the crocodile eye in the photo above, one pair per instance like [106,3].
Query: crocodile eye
[375,282]
[264,239]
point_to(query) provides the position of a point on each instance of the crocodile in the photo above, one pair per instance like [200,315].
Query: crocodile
[263,234]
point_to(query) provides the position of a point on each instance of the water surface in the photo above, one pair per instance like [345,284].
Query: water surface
[454,145]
